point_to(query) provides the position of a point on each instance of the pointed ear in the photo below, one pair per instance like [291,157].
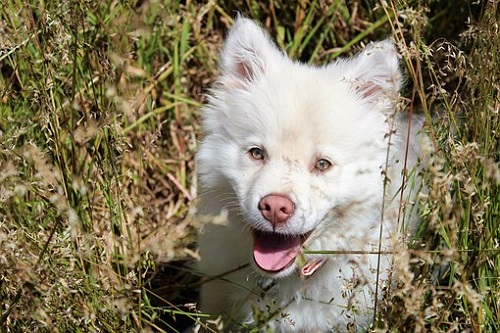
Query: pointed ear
[375,71]
[247,52]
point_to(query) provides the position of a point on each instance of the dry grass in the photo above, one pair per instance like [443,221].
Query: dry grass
[99,121]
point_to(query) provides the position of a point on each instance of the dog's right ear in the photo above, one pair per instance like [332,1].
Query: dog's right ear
[247,53]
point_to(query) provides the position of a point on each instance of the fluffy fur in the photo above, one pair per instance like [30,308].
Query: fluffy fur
[295,154]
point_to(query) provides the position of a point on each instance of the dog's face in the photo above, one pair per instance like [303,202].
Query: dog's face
[303,148]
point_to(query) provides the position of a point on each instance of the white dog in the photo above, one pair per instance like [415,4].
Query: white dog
[300,174]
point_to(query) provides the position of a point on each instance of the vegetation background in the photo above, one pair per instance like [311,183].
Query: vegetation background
[99,121]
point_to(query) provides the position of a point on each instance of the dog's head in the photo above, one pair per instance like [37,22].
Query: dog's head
[303,148]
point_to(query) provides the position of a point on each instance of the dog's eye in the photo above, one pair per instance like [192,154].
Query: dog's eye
[323,165]
[256,154]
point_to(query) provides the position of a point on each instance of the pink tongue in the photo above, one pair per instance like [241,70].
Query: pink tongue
[273,252]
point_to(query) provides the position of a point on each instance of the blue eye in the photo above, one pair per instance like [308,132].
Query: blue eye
[322,165]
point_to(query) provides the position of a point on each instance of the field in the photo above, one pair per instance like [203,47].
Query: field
[99,123]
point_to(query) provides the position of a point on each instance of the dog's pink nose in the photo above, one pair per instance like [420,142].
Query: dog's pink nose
[276,208]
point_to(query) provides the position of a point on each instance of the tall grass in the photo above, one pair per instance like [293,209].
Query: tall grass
[99,121]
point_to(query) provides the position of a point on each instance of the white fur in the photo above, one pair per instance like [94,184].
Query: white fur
[343,112]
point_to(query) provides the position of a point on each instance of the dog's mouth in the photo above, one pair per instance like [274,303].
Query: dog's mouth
[273,252]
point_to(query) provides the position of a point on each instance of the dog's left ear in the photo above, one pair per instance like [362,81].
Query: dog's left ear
[375,72]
